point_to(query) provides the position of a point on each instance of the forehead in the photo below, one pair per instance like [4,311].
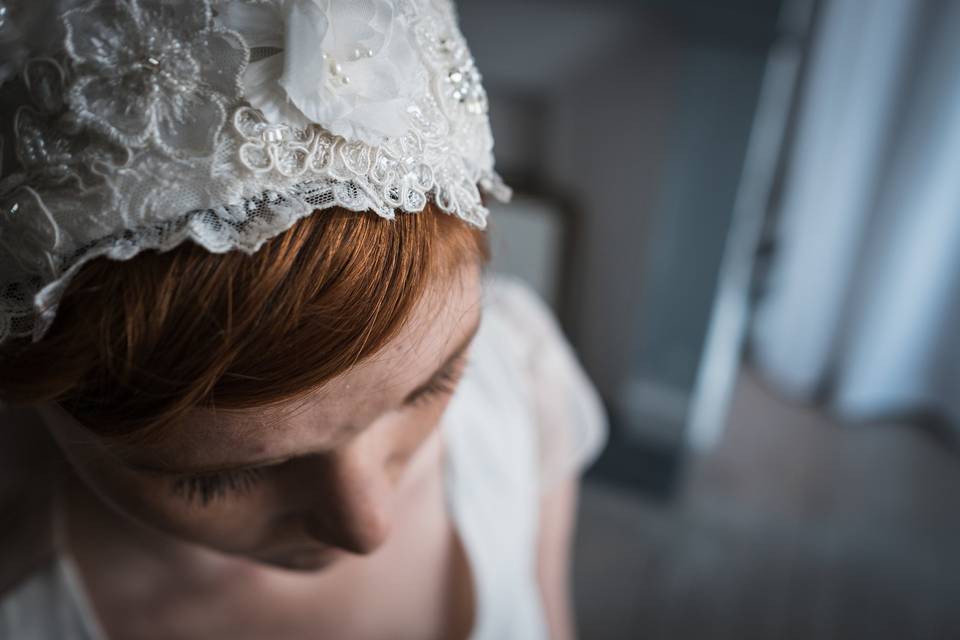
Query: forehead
[441,320]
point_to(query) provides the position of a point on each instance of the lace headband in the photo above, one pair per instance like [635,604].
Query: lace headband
[138,124]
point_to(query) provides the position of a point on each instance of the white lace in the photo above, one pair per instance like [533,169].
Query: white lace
[149,122]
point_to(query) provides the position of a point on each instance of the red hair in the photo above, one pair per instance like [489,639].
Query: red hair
[136,344]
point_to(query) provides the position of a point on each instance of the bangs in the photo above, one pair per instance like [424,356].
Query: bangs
[136,344]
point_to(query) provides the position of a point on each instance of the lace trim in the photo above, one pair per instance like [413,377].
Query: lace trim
[28,307]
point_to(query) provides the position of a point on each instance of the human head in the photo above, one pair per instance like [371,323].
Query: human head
[225,218]
[302,352]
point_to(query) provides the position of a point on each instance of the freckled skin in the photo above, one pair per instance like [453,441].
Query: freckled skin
[343,453]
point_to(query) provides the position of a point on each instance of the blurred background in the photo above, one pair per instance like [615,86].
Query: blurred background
[746,214]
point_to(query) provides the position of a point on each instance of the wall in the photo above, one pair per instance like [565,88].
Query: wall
[634,116]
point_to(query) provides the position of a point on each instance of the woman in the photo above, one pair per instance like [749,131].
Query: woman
[342,430]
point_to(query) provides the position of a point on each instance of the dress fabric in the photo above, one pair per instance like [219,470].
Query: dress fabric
[524,417]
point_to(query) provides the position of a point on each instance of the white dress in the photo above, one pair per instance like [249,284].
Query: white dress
[524,417]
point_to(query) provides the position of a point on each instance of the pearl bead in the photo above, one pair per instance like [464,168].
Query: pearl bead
[361,53]
[13,208]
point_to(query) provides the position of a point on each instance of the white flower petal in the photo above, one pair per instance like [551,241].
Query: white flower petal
[372,105]
[261,24]
[388,118]
[304,67]
[351,34]
[263,92]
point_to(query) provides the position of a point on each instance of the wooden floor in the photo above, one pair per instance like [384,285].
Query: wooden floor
[796,527]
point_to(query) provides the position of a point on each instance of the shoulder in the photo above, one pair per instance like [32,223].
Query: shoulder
[566,412]
[525,326]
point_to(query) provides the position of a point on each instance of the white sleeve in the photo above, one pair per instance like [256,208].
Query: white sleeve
[571,423]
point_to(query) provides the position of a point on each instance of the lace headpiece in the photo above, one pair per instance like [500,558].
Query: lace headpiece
[138,124]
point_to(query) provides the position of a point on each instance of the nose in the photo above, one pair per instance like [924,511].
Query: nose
[351,504]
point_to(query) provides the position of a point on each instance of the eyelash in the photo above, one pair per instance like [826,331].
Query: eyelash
[205,488]
[208,487]
[445,383]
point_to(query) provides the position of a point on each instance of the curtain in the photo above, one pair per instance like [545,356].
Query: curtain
[862,303]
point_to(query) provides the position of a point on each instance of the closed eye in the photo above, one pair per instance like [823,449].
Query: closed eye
[205,488]
[443,383]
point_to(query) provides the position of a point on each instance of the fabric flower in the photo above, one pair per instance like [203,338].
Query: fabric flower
[154,70]
[350,67]
[46,147]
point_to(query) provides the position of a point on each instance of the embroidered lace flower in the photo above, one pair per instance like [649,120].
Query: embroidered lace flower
[157,71]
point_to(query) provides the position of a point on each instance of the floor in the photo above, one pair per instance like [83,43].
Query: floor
[796,526]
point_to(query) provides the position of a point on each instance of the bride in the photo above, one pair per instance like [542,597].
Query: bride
[256,380]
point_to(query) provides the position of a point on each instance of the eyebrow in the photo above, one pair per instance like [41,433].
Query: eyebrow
[168,470]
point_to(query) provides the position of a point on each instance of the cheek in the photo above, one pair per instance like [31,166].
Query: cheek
[408,432]
[232,524]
